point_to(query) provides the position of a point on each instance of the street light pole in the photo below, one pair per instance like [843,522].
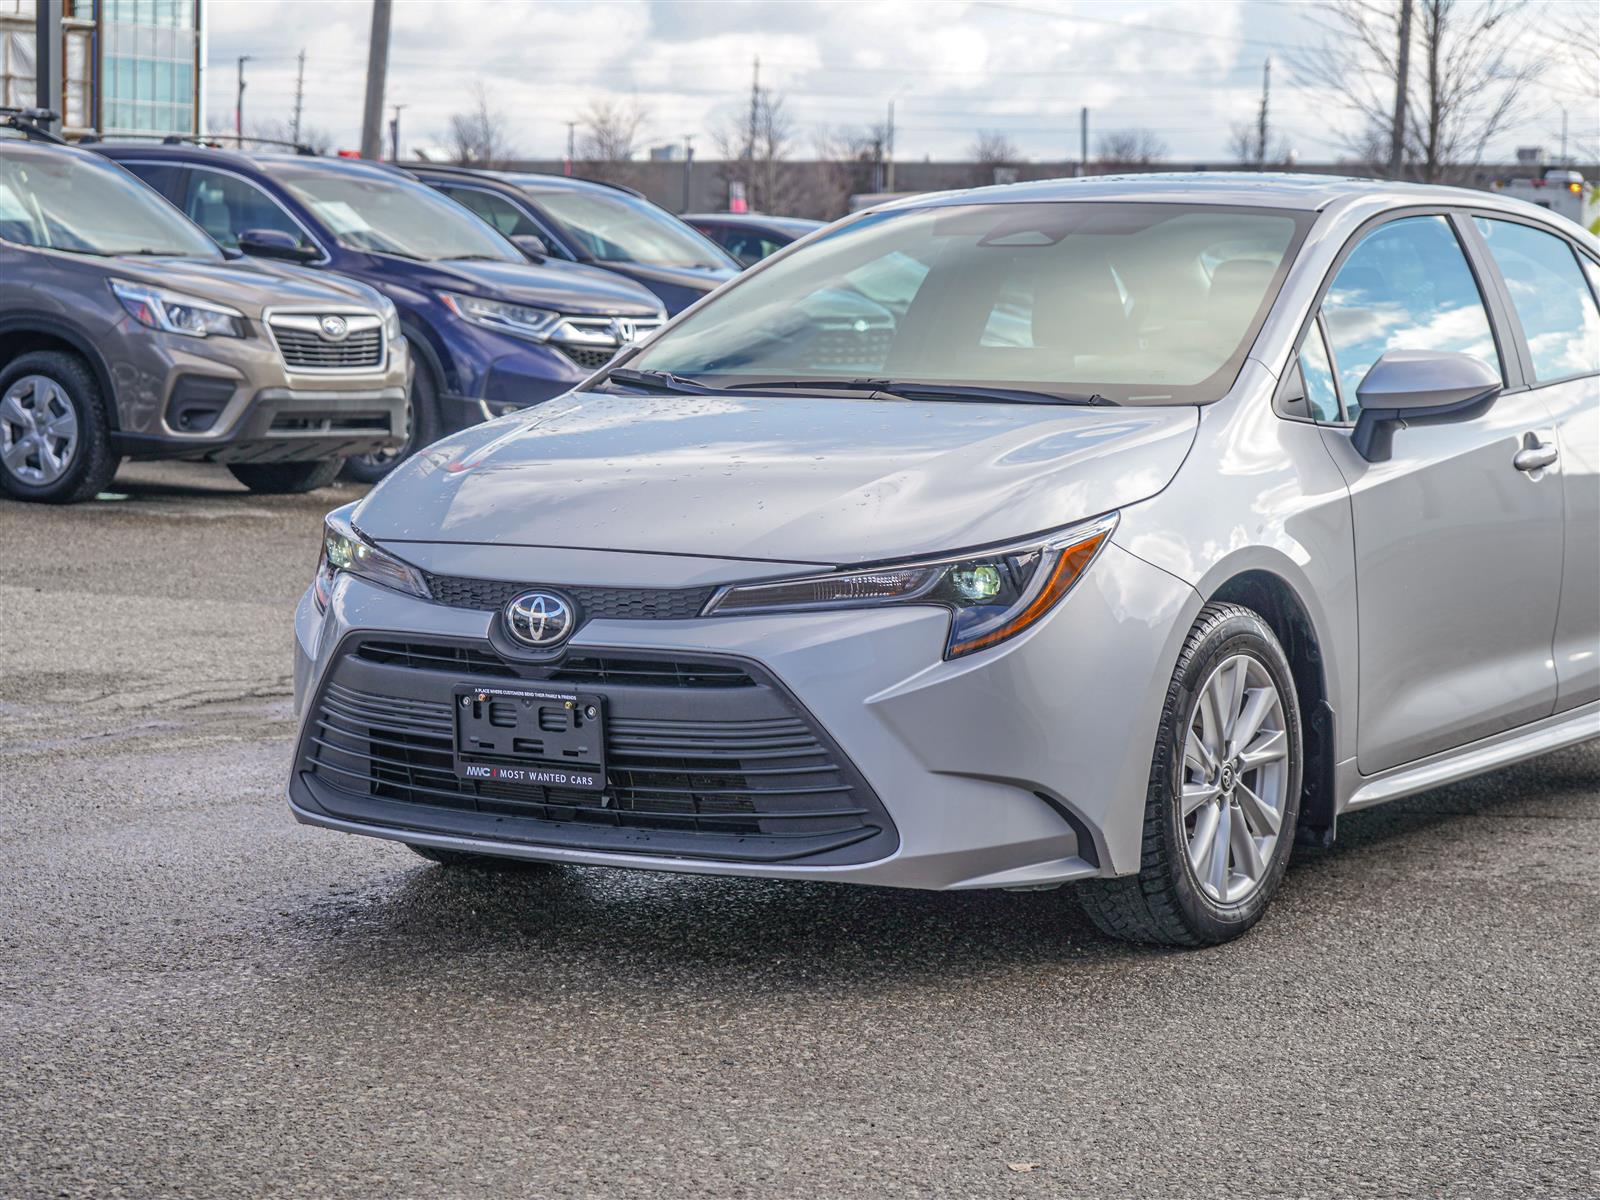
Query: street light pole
[394,132]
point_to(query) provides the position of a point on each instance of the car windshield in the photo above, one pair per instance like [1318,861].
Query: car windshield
[68,201]
[1139,303]
[617,227]
[391,215]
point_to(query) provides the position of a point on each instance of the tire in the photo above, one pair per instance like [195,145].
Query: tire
[43,395]
[482,862]
[424,426]
[287,478]
[1174,899]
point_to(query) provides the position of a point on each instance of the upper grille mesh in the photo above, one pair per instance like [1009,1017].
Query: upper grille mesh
[302,348]
[620,604]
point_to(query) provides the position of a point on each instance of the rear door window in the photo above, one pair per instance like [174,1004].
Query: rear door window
[1406,286]
[1553,303]
[497,210]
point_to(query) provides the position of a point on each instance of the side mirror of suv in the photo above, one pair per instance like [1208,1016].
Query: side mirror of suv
[274,243]
[532,245]
[1412,387]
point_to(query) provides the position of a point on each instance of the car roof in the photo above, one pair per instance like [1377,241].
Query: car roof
[263,160]
[1244,189]
[527,181]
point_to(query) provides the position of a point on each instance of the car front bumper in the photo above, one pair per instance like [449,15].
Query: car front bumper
[1022,766]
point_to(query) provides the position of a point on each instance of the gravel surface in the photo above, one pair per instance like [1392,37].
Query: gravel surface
[199,997]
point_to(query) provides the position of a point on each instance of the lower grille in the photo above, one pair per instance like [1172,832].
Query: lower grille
[738,774]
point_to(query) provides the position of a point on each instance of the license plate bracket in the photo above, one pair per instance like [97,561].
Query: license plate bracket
[530,737]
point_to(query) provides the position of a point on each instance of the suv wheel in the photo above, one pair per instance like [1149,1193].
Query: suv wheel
[1224,792]
[286,478]
[55,438]
[423,427]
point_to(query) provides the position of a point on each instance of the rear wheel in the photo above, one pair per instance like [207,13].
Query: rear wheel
[1224,792]
[482,862]
[287,478]
[424,424]
[55,436]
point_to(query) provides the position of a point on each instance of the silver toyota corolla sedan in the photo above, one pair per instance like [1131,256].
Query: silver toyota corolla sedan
[1121,532]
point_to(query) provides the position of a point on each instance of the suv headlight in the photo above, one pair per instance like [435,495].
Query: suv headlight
[345,550]
[175,313]
[992,595]
[536,324]
[391,319]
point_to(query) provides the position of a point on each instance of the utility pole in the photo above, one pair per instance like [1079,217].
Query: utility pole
[1397,131]
[299,94]
[394,132]
[755,109]
[572,143]
[377,72]
[1083,141]
[1261,121]
[238,103]
[889,149]
[688,170]
[48,75]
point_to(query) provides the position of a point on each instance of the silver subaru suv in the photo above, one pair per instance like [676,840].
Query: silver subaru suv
[125,332]
[1149,526]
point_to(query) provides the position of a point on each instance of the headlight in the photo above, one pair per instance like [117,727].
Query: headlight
[992,596]
[536,324]
[345,550]
[391,319]
[175,313]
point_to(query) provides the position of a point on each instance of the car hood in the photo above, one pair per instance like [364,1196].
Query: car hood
[697,281]
[798,479]
[565,287]
[246,285]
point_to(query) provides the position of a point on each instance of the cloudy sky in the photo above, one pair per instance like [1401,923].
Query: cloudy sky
[1185,69]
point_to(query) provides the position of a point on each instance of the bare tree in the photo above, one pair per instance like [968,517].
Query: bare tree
[610,131]
[992,152]
[849,162]
[1244,146]
[1131,147]
[479,137]
[754,147]
[1468,76]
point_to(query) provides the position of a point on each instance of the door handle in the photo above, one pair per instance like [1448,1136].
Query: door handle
[1536,456]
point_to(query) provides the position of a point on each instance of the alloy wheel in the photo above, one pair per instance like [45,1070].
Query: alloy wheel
[38,430]
[1235,778]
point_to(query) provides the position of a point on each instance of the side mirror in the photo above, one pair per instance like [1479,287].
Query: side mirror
[274,243]
[532,245]
[1414,387]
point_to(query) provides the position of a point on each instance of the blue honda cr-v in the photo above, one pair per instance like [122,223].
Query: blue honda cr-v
[490,331]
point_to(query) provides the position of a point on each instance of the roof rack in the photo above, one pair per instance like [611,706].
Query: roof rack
[31,123]
[211,141]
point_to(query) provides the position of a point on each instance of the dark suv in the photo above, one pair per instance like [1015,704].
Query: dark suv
[490,332]
[581,220]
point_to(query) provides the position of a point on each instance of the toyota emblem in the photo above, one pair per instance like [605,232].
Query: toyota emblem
[334,329]
[540,619]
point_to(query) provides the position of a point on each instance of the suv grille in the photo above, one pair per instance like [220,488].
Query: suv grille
[589,360]
[733,775]
[618,604]
[304,348]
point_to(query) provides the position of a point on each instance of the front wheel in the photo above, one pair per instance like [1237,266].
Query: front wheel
[287,478]
[1224,792]
[55,433]
[424,424]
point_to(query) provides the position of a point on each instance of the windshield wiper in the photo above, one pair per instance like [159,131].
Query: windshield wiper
[475,258]
[659,381]
[907,390]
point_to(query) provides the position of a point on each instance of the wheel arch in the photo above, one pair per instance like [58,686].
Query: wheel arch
[25,334]
[1275,599]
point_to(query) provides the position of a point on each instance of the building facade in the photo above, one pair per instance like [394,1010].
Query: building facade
[128,66]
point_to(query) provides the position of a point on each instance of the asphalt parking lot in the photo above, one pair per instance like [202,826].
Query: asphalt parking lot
[199,997]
